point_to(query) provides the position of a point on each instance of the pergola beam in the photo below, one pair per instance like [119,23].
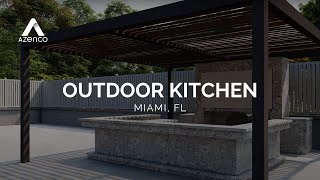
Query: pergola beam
[170,99]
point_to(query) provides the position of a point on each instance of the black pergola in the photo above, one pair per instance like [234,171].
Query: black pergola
[186,33]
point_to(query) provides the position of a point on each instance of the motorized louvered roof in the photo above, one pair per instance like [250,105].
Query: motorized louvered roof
[188,32]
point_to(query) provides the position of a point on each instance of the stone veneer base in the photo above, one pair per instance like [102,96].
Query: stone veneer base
[196,150]
[298,138]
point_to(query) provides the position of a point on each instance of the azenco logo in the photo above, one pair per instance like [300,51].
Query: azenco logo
[33,24]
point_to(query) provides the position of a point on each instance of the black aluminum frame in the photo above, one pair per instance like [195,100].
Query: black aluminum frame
[170,99]
[176,10]
[259,75]
[25,105]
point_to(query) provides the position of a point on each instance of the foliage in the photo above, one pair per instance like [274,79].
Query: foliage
[51,16]
[81,11]
[311,11]
[8,54]
[14,15]
[117,8]
[104,67]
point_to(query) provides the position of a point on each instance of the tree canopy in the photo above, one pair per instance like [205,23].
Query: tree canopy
[311,11]
[117,8]
[51,15]
[81,11]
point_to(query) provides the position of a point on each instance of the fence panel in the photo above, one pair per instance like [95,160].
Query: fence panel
[2,93]
[304,88]
[10,93]
[36,93]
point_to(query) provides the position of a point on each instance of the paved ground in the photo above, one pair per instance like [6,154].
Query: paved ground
[303,167]
[45,139]
[74,165]
[67,160]
[68,147]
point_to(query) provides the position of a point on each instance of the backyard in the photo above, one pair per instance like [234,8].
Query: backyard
[225,90]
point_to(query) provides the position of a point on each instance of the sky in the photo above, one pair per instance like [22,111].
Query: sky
[99,5]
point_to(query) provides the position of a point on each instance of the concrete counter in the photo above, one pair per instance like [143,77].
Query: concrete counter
[196,150]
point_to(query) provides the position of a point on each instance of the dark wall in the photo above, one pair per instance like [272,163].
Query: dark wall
[316,133]
[63,116]
[11,116]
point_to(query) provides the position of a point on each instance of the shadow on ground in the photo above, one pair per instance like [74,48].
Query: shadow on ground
[75,165]
[297,167]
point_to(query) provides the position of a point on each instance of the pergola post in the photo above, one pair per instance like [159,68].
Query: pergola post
[259,75]
[170,100]
[25,105]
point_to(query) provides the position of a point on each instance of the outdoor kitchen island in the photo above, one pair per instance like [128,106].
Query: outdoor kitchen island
[165,145]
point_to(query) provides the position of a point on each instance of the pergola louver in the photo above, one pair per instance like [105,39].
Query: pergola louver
[207,35]
[186,33]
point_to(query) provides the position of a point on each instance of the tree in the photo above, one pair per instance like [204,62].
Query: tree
[15,15]
[117,8]
[46,12]
[8,54]
[81,10]
[311,11]
[109,68]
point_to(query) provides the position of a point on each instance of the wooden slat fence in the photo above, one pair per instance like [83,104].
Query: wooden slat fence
[304,88]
